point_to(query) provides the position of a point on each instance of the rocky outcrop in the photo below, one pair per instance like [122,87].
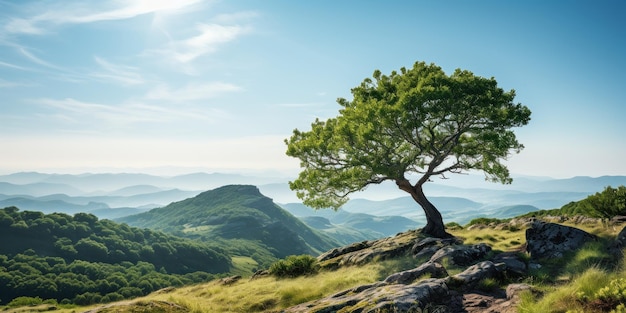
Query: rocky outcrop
[397,297]
[230,280]
[433,269]
[366,251]
[427,247]
[549,240]
[429,287]
[480,302]
[357,246]
[461,254]
[515,264]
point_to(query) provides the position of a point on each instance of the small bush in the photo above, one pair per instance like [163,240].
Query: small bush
[454,226]
[483,221]
[24,301]
[294,266]
[613,294]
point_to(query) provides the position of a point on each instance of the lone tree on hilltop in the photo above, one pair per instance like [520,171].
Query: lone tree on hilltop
[417,123]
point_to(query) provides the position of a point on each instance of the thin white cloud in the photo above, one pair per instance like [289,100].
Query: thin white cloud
[13,66]
[125,75]
[234,18]
[208,38]
[76,106]
[122,114]
[130,9]
[192,91]
[87,12]
[23,26]
[37,60]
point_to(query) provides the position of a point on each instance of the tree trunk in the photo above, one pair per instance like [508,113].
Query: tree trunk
[434,222]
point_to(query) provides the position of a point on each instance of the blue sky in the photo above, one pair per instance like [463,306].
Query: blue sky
[179,86]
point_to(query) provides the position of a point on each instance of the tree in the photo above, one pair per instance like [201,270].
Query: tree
[608,203]
[417,123]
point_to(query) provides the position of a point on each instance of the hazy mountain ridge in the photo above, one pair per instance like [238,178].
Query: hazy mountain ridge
[459,198]
[104,183]
[347,227]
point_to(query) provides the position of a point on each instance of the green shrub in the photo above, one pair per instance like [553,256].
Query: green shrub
[294,266]
[614,293]
[24,301]
[483,221]
[454,226]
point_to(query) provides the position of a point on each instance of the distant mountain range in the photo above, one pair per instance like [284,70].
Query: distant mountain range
[37,184]
[347,227]
[460,198]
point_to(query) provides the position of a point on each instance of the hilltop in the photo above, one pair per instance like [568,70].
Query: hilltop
[240,218]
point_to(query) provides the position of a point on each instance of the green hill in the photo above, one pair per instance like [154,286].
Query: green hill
[81,259]
[241,219]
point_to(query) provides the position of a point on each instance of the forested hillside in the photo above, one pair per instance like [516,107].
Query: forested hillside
[82,259]
[609,203]
[241,219]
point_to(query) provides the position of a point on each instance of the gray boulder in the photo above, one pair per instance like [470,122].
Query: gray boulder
[475,273]
[392,296]
[425,248]
[363,252]
[378,297]
[461,254]
[435,270]
[515,264]
[344,250]
[513,290]
[549,240]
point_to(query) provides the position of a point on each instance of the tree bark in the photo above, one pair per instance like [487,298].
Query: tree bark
[434,222]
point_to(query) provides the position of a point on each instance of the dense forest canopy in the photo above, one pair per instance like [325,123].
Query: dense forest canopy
[82,259]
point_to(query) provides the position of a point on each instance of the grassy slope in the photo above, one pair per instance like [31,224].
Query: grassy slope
[266,294]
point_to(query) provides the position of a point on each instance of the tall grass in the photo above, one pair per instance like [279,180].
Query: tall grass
[270,294]
[594,284]
[569,297]
[502,240]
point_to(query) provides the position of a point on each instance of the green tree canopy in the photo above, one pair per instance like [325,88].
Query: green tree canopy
[607,204]
[419,122]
